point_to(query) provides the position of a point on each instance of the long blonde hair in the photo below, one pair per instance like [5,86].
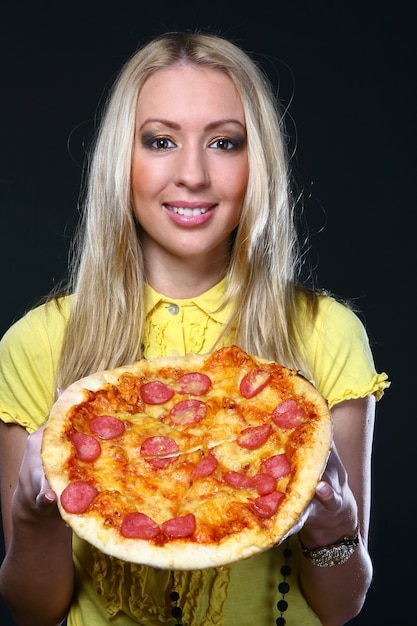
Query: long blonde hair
[106,270]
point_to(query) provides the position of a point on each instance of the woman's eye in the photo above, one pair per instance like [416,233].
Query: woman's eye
[224,143]
[158,143]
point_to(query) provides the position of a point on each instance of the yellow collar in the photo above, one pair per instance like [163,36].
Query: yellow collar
[209,301]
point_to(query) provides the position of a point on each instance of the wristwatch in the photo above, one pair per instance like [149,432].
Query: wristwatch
[334,554]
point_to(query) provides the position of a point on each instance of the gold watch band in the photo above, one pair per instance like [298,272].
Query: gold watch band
[334,554]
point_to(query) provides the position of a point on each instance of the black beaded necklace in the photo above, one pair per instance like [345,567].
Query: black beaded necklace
[283,588]
[176,610]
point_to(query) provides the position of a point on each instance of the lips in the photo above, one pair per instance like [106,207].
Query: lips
[190,213]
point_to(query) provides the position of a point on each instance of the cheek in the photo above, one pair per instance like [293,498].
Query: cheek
[230,169]
[146,179]
[238,183]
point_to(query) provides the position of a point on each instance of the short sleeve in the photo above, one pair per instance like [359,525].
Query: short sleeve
[341,357]
[29,352]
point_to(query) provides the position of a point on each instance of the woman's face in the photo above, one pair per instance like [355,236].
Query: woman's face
[189,166]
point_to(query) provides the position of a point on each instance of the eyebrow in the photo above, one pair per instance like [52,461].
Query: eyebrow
[175,126]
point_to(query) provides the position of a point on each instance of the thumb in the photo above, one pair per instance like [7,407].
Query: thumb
[46,495]
[45,498]
[324,491]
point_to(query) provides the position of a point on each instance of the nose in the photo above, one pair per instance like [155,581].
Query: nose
[192,167]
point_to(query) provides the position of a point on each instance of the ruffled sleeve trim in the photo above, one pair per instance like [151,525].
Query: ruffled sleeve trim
[9,417]
[376,387]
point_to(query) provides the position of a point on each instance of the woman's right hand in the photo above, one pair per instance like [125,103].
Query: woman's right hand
[33,490]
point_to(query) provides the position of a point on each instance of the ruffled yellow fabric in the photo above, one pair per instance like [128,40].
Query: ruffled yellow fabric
[142,592]
[376,386]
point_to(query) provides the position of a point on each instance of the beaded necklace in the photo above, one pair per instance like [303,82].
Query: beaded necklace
[283,588]
[176,610]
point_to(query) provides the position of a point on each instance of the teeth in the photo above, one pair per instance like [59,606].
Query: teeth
[187,212]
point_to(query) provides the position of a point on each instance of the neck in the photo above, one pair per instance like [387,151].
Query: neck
[187,275]
[179,281]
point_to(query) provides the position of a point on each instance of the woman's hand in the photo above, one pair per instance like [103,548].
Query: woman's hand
[333,508]
[33,492]
[333,512]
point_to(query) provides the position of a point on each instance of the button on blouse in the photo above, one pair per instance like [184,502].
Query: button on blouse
[173,308]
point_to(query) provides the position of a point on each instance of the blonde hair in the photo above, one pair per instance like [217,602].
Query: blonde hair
[107,272]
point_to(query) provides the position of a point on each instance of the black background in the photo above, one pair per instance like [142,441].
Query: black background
[346,71]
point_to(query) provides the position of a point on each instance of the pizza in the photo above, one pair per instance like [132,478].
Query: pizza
[187,462]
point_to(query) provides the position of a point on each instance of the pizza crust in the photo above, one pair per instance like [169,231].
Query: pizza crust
[308,460]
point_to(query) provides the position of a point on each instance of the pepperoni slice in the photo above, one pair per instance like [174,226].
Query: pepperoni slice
[156,392]
[179,526]
[266,506]
[277,466]
[263,483]
[188,412]
[205,467]
[77,496]
[194,383]
[288,415]
[160,445]
[254,436]
[238,480]
[107,427]
[253,382]
[162,462]
[139,526]
[86,447]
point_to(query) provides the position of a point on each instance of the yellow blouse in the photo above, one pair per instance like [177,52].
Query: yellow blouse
[245,593]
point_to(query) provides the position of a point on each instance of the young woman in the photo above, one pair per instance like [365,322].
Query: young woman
[187,244]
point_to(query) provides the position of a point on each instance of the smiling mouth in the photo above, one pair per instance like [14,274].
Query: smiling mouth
[187,212]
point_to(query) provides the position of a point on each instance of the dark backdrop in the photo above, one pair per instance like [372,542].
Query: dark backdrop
[346,70]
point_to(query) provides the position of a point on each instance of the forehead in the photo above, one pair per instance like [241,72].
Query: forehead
[188,90]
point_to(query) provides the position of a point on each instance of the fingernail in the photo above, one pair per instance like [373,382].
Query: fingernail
[323,489]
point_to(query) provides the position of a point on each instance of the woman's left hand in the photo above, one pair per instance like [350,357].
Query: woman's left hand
[332,512]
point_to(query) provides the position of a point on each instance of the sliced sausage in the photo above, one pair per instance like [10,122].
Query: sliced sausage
[238,480]
[288,415]
[266,506]
[205,467]
[194,383]
[139,526]
[263,483]
[107,427]
[254,436]
[160,445]
[179,526]
[188,412]
[278,466]
[253,382]
[77,496]
[156,392]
